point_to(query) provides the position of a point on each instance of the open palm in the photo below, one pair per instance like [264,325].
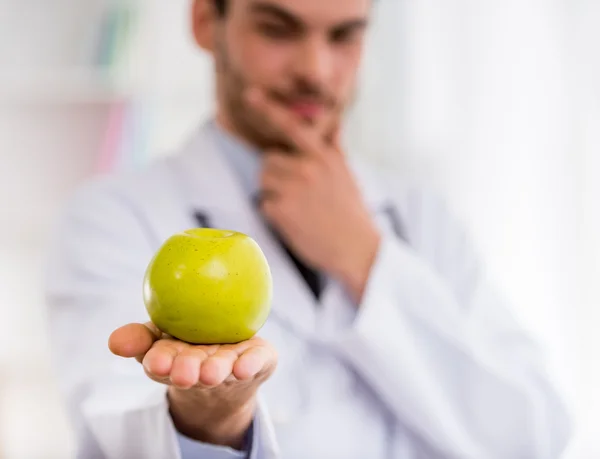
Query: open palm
[173,362]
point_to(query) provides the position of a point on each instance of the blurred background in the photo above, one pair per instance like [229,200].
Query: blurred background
[494,103]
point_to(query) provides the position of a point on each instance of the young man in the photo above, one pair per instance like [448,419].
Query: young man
[390,342]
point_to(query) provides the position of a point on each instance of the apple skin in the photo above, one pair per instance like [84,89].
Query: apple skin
[209,286]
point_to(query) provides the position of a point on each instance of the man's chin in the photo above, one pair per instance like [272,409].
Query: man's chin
[264,135]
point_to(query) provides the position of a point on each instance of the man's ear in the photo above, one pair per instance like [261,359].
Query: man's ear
[204,21]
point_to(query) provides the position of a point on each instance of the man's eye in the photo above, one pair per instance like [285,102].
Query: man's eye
[275,31]
[344,36]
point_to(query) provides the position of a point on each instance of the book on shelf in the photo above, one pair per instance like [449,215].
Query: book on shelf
[125,143]
[114,47]
[115,57]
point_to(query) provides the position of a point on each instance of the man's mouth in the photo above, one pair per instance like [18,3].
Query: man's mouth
[306,109]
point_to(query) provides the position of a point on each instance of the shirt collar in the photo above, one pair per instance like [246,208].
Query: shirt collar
[244,159]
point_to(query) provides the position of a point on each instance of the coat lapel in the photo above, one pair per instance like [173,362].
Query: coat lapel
[216,198]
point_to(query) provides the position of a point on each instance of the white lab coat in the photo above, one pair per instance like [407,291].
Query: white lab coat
[432,364]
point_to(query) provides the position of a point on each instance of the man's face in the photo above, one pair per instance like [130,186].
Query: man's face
[303,53]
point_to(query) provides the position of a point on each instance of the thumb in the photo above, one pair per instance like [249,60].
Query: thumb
[133,340]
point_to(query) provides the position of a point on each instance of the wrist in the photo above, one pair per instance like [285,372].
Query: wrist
[217,425]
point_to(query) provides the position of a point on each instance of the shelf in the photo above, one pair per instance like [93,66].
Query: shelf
[58,86]
[89,86]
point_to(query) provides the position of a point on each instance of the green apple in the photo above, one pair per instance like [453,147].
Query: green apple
[209,286]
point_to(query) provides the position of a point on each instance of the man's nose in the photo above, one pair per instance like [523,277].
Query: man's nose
[313,62]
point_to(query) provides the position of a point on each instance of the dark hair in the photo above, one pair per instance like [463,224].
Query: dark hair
[221,6]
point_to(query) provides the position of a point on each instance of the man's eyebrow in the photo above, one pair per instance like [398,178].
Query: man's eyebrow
[276,11]
[351,24]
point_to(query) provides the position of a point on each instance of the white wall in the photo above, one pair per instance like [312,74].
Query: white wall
[585,64]
[54,113]
[481,106]
[478,105]
[32,422]
[45,150]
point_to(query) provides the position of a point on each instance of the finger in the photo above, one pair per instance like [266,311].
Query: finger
[271,211]
[303,137]
[240,348]
[133,340]
[254,361]
[234,349]
[271,186]
[272,205]
[277,170]
[217,367]
[185,372]
[158,361]
[280,163]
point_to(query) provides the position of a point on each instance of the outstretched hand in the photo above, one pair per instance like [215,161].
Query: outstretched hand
[212,388]
[173,362]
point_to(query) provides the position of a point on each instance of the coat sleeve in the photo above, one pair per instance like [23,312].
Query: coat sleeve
[444,352]
[94,281]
